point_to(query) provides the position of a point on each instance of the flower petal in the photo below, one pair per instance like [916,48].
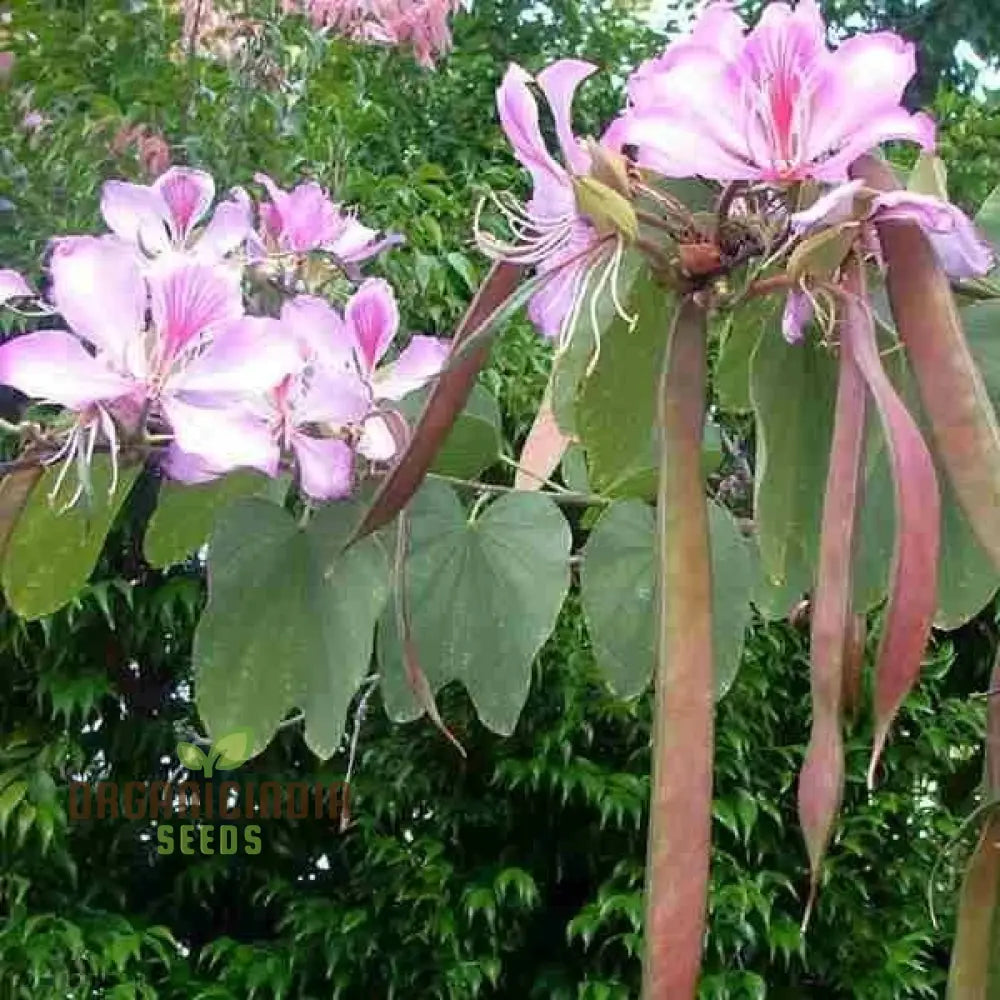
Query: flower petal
[188,195]
[373,316]
[189,298]
[320,333]
[246,355]
[54,366]
[13,286]
[326,466]
[882,127]
[519,119]
[961,251]
[797,315]
[831,209]
[421,359]
[222,438]
[333,398]
[559,83]
[136,214]
[230,226]
[377,443]
[98,288]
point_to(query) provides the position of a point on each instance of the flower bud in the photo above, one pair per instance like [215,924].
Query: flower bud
[608,211]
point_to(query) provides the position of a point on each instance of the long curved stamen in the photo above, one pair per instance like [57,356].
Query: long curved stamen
[107,424]
[535,239]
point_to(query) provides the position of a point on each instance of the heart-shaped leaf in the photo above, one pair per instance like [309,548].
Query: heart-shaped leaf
[289,622]
[484,595]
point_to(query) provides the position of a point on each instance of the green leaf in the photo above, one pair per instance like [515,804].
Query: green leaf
[191,756]
[988,218]
[10,799]
[570,366]
[740,333]
[289,621]
[233,749]
[617,590]
[185,514]
[484,596]
[792,389]
[474,441]
[51,555]
[929,176]
[616,411]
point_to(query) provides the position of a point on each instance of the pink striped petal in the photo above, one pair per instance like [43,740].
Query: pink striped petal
[188,195]
[320,332]
[54,366]
[136,214]
[98,288]
[333,398]
[191,298]
[373,316]
[230,227]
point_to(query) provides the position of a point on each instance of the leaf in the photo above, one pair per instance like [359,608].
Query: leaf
[15,488]
[191,756]
[447,398]
[473,443]
[289,621]
[617,591]
[10,799]
[988,218]
[185,514]
[616,410]
[50,555]
[740,333]
[543,449]
[929,176]
[792,388]
[233,749]
[484,596]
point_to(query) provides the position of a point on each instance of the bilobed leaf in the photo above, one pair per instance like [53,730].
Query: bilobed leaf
[185,514]
[473,443]
[740,332]
[191,756]
[233,749]
[50,555]
[15,488]
[289,622]
[484,596]
[792,388]
[617,590]
[616,409]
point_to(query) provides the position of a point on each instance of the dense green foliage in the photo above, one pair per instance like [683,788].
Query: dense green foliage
[517,871]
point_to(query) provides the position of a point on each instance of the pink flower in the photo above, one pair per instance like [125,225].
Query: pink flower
[775,104]
[354,344]
[196,352]
[13,286]
[306,218]
[961,251]
[551,231]
[164,216]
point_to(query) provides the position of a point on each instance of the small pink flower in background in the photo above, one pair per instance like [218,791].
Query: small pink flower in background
[420,25]
[34,121]
[163,216]
[306,218]
[551,232]
[195,353]
[354,344]
[774,104]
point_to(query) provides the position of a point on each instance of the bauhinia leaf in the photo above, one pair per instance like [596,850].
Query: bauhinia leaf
[289,623]
[617,590]
[543,449]
[681,806]
[446,400]
[15,488]
[51,553]
[963,423]
[913,579]
[185,514]
[821,781]
[483,597]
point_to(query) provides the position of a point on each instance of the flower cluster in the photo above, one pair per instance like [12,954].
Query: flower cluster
[419,25]
[159,345]
[765,112]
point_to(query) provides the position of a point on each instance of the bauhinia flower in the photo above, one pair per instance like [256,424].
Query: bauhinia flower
[13,286]
[960,249]
[577,222]
[306,219]
[168,342]
[354,344]
[165,215]
[773,105]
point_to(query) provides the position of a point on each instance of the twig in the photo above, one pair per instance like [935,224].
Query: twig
[359,718]
[574,499]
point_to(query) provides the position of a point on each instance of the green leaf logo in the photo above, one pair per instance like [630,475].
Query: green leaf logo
[228,752]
